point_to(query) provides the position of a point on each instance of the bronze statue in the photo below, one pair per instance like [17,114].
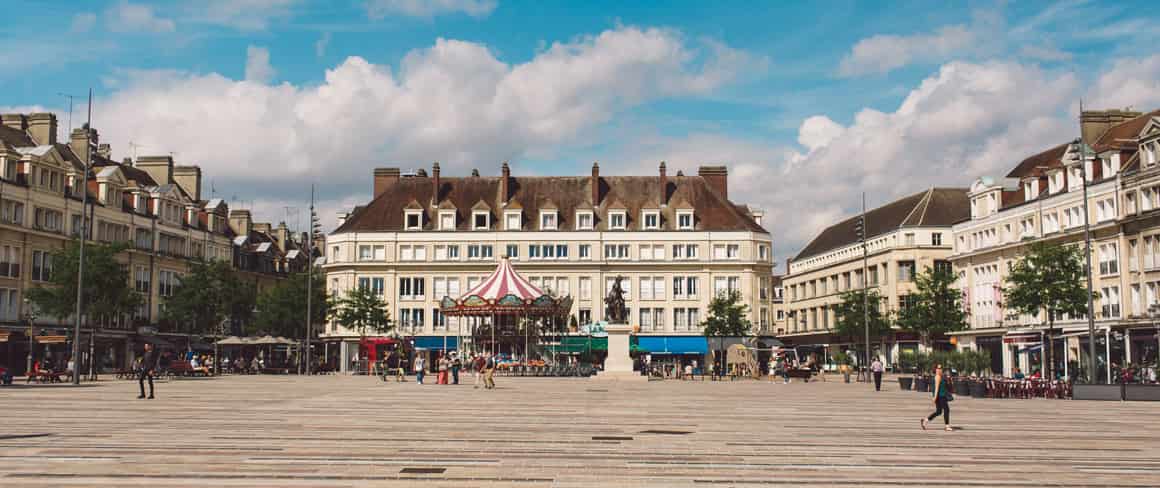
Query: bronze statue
[614,310]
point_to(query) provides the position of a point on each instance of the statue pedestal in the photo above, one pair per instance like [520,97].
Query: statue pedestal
[618,364]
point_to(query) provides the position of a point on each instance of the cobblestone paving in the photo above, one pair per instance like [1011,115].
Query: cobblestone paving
[532,432]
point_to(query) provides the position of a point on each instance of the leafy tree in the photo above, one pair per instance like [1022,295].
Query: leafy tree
[282,309]
[207,296]
[107,292]
[362,310]
[1048,279]
[937,308]
[850,320]
[726,317]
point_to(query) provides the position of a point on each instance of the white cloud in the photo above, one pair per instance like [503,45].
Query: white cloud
[84,22]
[240,14]
[454,102]
[884,53]
[378,9]
[129,17]
[258,67]
[1129,82]
[321,44]
[1044,52]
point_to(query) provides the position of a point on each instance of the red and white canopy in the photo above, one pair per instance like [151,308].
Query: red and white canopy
[505,281]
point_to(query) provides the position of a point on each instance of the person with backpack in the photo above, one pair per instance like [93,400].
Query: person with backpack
[489,373]
[943,395]
[456,363]
[477,365]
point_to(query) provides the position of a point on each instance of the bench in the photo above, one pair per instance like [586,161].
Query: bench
[803,373]
[182,368]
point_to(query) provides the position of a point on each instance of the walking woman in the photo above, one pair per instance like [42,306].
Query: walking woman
[942,398]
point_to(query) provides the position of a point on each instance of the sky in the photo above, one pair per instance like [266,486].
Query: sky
[808,103]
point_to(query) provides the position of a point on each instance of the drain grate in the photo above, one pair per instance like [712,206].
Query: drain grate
[611,438]
[666,432]
[423,471]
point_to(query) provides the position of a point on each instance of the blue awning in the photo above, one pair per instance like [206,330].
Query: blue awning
[436,342]
[673,344]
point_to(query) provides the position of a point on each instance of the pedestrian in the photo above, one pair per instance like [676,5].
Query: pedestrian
[942,398]
[877,368]
[146,371]
[477,365]
[489,373]
[420,365]
[786,366]
[444,365]
[456,363]
[255,365]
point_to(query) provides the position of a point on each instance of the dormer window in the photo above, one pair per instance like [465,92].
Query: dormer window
[1055,182]
[652,219]
[585,220]
[547,220]
[617,219]
[685,220]
[480,220]
[1030,190]
[512,220]
[446,220]
[414,220]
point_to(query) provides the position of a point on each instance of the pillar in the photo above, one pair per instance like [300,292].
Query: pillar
[343,359]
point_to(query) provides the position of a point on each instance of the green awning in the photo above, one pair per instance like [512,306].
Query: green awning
[570,345]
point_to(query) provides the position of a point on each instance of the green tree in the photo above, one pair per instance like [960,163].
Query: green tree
[208,295]
[937,307]
[362,310]
[726,318]
[1049,279]
[107,292]
[282,308]
[851,321]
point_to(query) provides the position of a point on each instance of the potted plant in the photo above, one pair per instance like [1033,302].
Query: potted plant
[922,364]
[906,363]
[843,360]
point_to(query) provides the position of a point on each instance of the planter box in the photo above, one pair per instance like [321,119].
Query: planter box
[978,389]
[905,383]
[1142,393]
[922,384]
[1097,392]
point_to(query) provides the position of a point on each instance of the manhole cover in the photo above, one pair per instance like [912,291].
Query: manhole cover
[423,471]
[611,438]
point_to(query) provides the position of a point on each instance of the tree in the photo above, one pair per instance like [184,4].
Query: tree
[107,293]
[937,306]
[850,317]
[1048,279]
[282,308]
[726,317]
[206,297]
[362,310]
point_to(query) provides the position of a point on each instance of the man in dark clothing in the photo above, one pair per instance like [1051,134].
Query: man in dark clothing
[456,363]
[148,368]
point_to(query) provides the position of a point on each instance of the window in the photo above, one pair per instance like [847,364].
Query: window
[480,220]
[616,251]
[652,219]
[512,220]
[411,288]
[513,251]
[685,220]
[585,288]
[686,319]
[652,288]
[936,238]
[1109,259]
[141,279]
[167,282]
[625,285]
[46,219]
[1105,210]
[905,271]
[411,319]
[438,320]
[684,251]
[414,220]
[585,316]
[333,253]
[650,252]
[585,251]
[584,220]
[365,253]
[763,252]
[547,220]
[479,251]
[616,220]
[12,212]
[412,252]
[446,253]
[534,251]
[908,238]
[377,286]
[1133,253]
[446,220]
[10,261]
[41,265]
[943,266]
[1110,301]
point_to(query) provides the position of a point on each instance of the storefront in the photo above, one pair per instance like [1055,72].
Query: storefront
[430,348]
[672,353]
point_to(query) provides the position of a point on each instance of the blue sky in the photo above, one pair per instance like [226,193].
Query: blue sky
[797,97]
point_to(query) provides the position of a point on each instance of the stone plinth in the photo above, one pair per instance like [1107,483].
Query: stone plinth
[618,364]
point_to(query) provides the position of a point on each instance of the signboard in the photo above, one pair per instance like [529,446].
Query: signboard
[1022,339]
[52,339]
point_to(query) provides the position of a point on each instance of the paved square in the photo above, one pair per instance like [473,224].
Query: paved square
[358,431]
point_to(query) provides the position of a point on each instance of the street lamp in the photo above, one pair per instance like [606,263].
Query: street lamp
[30,316]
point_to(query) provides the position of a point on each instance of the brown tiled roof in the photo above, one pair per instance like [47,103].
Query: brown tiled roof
[15,137]
[933,207]
[1123,136]
[565,193]
[1031,166]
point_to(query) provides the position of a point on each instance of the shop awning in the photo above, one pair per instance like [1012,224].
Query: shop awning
[673,344]
[436,342]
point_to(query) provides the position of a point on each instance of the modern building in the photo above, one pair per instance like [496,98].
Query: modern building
[1042,200]
[677,240]
[903,238]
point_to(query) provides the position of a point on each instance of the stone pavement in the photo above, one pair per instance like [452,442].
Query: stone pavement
[281,431]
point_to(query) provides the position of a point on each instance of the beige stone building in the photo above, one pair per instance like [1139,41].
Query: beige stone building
[903,238]
[677,240]
[1042,200]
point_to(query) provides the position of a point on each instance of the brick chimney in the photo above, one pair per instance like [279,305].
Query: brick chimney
[15,121]
[282,235]
[241,222]
[42,128]
[189,179]
[594,182]
[160,168]
[504,183]
[435,184]
[664,189]
[384,178]
[78,139]
[717,177]
[1093,123]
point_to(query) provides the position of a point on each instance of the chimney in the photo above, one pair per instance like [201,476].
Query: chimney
[384,178]
[717,177]
[1093,123]
[474,172]
[282,235]
[189,179]
[422,173]
[42,128]
[15,122]
[664,189]
[594,182]
[79,139]
[504,182]
[435,187]
[105,150]
[160,168]
[241,222]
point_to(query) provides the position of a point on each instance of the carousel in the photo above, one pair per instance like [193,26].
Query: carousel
[506,312]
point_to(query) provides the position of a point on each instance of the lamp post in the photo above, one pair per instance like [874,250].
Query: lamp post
[1087,242]
[30,316]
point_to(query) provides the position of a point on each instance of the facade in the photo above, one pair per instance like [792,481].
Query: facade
[151,204]
[677,240]
[1043,201]
[903,238]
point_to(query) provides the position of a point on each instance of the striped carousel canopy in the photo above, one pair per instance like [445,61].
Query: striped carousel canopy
[505,292]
